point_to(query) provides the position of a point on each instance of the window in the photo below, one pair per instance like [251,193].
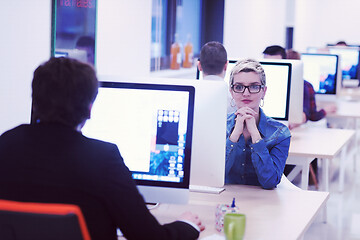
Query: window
[180,27]
[74,29]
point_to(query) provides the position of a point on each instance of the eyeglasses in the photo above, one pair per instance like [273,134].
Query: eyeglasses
[239,88]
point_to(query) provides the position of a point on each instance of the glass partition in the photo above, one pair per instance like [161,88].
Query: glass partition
[74,29]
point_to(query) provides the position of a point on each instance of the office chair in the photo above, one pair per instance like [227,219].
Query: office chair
[25,221]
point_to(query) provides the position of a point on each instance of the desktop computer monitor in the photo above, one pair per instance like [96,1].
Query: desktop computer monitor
[294,89]
[284,96]
[321,70]
[152,126]
[349,59]
[209,134]
[207,166]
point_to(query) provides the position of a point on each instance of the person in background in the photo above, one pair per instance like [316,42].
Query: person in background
[87,44]
[341,43]
[50,161]
[213,63]
[257,146]
[274,52]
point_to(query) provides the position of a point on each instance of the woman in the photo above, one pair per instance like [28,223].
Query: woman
[257,146]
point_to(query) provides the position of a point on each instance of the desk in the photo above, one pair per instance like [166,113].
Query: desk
[346,109]
[349,93]
[348,112]
[270,214]
[322,143]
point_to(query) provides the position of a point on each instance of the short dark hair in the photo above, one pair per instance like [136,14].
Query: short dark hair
[275,50]
[341,43]
[62,91]
[213,58]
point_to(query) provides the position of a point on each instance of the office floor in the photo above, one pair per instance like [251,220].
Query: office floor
[343,209]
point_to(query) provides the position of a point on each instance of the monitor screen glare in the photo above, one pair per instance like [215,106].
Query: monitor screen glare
[321,71]
[276,101]
[349,60]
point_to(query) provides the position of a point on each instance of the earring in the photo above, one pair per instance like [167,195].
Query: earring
[262,102]
[232,103]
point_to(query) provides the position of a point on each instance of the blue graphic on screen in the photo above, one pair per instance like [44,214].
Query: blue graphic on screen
[350,58]
[167,157]
[349,61]
[321,71]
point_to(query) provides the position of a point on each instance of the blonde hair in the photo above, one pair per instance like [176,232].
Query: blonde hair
[248,65]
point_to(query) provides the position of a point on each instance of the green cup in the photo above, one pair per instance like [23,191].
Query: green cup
[234,226]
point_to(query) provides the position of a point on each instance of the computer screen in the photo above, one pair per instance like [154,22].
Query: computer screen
[152,126]
[349,59]
[321,70]
[278,81]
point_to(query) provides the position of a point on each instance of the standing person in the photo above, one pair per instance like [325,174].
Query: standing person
[213,63]
[257,146]
[50,161]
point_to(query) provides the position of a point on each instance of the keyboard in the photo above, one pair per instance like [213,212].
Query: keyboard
[206,189]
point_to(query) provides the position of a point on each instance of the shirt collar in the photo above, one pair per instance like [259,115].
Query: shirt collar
[213,77]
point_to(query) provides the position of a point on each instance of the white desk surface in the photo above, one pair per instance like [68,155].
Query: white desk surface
[349,93]
[347,109]
[318,142]
[270,214]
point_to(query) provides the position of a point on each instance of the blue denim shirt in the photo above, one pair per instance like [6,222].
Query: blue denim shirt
[261,163]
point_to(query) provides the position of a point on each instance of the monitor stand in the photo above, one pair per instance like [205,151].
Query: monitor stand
[206,189]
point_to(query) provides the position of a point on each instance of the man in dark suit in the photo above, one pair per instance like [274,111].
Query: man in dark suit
[51,161]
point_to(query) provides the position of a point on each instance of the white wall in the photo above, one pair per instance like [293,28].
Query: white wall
[124,37]
[326,21]
[252,25]
[24,44]
[123,48]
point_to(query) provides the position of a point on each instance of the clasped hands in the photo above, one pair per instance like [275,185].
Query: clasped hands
[245,123]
